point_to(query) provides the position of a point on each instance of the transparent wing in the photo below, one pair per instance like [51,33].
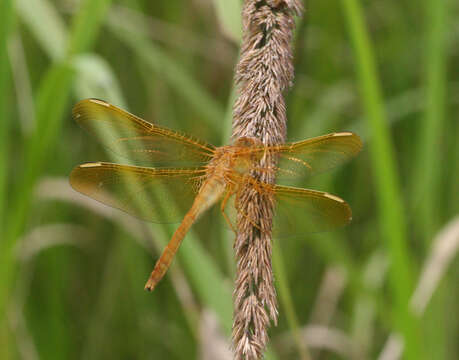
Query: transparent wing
[157,195]
[296,210]
[307,157]
[138,140]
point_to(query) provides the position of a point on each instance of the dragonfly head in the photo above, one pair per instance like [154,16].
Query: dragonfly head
[247,142]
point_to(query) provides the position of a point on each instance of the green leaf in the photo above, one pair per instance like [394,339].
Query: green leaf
[390,200]
[229,17]
[165,66]
[45,24]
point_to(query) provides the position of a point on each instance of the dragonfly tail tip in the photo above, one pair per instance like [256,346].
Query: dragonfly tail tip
[149,286]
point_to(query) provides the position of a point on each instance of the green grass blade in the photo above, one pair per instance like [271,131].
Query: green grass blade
[425,182]
[50,106]
[96,79]
[165,66]
[45,24]
[226,131]
[229,17]
[391,209]
[86,24]
[207,280]
[6,25]
[287,302]
[53,95]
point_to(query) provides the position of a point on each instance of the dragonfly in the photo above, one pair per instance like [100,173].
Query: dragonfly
[190,175]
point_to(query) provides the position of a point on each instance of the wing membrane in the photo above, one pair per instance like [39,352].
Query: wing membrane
[137,139]
[315,155]
[318,154]
[157,195]
[297,210]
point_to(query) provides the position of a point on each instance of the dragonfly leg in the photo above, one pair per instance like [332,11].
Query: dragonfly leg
[250,220]
[222,209]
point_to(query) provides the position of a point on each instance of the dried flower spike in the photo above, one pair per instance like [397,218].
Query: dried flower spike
[264,72]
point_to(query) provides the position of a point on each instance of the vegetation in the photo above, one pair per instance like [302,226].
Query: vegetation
[72,271]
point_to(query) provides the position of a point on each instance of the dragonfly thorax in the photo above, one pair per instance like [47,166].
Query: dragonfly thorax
[246,157]
[242,163]
[232,160]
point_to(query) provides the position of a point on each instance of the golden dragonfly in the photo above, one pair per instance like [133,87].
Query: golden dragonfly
[166,194]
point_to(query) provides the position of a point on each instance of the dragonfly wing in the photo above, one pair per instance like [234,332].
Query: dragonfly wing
[315,155]
[138,140]
[157,195]
[302,210]
[296,210]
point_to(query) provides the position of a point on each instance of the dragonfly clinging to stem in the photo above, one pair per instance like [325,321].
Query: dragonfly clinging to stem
[217,174]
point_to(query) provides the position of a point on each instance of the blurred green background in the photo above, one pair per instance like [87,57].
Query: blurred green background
[72,271]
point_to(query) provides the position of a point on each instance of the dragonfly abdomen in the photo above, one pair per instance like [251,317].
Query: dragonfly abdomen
[209,193]
[168,254]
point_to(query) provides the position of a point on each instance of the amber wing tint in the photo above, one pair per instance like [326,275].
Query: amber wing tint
[137,139]
[157,195]
[315,155]
[299,210]
[296,210]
